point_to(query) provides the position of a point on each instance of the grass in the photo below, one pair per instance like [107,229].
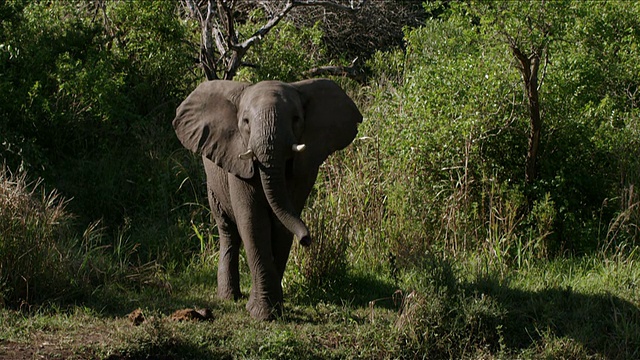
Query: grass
[580,308]
[35,240]
[43,256]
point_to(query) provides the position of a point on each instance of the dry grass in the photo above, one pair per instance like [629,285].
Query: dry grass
[34,235]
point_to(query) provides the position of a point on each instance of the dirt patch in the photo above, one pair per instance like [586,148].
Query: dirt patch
[137,316]
[82,342]
[10,350]
[192,314]
[79,341]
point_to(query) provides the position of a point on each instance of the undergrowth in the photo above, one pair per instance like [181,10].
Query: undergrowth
[43,256]
[444,308]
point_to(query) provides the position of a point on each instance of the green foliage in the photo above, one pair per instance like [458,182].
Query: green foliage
[452,124]
[594,92]
[285,55]
[87,97]
[452,101]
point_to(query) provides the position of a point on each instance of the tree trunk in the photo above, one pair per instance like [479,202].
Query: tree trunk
[529,68]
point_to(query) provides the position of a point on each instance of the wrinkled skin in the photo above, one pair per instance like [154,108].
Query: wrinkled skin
[257,182]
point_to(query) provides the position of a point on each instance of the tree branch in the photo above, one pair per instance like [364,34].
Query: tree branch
[330,4]
[544,69]
[194,11]
[268,26]
[287,8]
[218,27]
[348,71]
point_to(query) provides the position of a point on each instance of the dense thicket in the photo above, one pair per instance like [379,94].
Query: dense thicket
[85,97]
[453,122]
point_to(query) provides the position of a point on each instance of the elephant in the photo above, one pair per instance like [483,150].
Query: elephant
[262,145]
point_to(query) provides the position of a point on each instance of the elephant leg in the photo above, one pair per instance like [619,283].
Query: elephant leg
[281,240]
[253,219]
[228,262]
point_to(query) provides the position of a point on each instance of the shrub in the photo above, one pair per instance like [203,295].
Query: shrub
[44,258]
[89,91]
[35,241]
[440,319]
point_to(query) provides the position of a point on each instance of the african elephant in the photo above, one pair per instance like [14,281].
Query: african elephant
[262,145]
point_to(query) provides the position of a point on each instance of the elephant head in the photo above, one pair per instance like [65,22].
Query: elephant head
[248,129]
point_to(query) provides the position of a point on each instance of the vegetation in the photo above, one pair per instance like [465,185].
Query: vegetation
[439,233]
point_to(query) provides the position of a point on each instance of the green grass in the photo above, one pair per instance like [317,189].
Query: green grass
[576,308]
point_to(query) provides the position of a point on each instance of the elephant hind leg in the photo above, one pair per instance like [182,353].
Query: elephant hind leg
[228,262]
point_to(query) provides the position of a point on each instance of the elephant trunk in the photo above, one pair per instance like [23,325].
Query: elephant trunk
[272,145]
[276,193]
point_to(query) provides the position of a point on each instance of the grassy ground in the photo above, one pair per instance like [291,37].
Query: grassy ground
[569,309]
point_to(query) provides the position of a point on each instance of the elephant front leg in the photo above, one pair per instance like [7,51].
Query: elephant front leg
[228,262]
[281,240]
[266,298]
[253,220]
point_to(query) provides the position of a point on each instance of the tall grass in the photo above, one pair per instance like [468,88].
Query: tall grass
[35,240]
[43,257]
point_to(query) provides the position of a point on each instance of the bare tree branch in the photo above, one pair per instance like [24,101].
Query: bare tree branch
[330,4]
[268,26]
[221,51]
[347,71]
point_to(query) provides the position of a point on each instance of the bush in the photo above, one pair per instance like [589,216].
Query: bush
[437,117]
[37,244]
[90,93]
[451,123]
[440,319]
[42,256]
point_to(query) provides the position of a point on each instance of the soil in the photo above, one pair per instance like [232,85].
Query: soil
[192,314]
[79,345]
[50,348]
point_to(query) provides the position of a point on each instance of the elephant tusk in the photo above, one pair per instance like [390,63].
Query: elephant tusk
[298,148]
[246,155]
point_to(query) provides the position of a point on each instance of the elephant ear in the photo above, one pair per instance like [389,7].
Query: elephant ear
[330,121]
[206,123]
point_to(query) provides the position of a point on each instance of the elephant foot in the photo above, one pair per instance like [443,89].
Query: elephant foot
[263,309]
[226,294]
[228,285]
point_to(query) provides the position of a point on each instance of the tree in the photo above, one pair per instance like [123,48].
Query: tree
[529,29]
[222,47]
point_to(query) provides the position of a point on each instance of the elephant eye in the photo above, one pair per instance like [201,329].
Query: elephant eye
[244,123]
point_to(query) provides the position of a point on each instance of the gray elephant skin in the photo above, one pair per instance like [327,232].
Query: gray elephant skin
[262,145]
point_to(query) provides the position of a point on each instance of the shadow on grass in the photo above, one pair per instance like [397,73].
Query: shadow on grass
[353,289]
[185,291]
[176,350]
[452,315]
[601,323]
